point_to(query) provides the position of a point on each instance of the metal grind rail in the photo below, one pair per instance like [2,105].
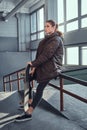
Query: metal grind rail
[61,76]
[7,79]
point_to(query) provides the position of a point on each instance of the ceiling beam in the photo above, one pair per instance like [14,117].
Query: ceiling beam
[1,1]
[14,10]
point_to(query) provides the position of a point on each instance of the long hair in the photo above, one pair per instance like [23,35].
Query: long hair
[59,32]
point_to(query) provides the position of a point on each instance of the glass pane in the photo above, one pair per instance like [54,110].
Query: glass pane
[71,9]
[40,19]
[83,7]
[72,56]
[33,37]
[61,28]
[33,23]
[40,35]
[84,55]
[33,54]
[72,26]
[84,22]
[60,11]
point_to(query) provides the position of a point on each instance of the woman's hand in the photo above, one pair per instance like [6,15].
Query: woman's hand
[32,68]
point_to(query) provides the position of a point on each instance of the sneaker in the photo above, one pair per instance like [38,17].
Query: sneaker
[24,117]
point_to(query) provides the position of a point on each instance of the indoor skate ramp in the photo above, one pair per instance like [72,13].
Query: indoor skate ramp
[45,116]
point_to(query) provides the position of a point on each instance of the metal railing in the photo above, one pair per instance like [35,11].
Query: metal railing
[61,76]
[7,79]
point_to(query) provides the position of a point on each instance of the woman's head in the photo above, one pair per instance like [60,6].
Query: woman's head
[50,27]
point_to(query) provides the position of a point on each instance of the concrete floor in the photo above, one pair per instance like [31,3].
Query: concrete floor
[46,115]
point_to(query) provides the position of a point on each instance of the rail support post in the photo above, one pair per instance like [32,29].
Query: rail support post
[18,81]
[61,94]
[10,83]
[4,84]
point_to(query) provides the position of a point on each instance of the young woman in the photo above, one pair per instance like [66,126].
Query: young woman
[47,64]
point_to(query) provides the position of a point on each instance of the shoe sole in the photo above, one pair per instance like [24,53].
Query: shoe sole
[23,120]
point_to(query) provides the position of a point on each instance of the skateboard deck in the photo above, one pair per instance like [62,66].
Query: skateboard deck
[27,88]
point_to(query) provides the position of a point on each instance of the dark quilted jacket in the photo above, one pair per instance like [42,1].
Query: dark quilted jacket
[49,57]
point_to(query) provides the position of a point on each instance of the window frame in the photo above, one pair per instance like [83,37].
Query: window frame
[37,31]
[78,18]
[80,58]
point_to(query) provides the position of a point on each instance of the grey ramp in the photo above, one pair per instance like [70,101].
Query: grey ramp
[44,116]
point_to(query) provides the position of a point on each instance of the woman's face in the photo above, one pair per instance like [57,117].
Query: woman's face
[49,29]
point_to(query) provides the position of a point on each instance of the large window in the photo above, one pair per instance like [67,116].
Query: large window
[72,26]
[84,55]
[72,15]
[40,18]
[83,13]
[72,55]
[69,19]
[33,26]
[33,22]
[71,9]
[60,9]
[84,22]
[37,24]
[83,7]
[61,15]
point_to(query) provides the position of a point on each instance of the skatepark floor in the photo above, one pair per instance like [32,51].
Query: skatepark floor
[47,115]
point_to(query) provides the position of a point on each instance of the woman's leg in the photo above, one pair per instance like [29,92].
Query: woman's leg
[36,100]
[38,96]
